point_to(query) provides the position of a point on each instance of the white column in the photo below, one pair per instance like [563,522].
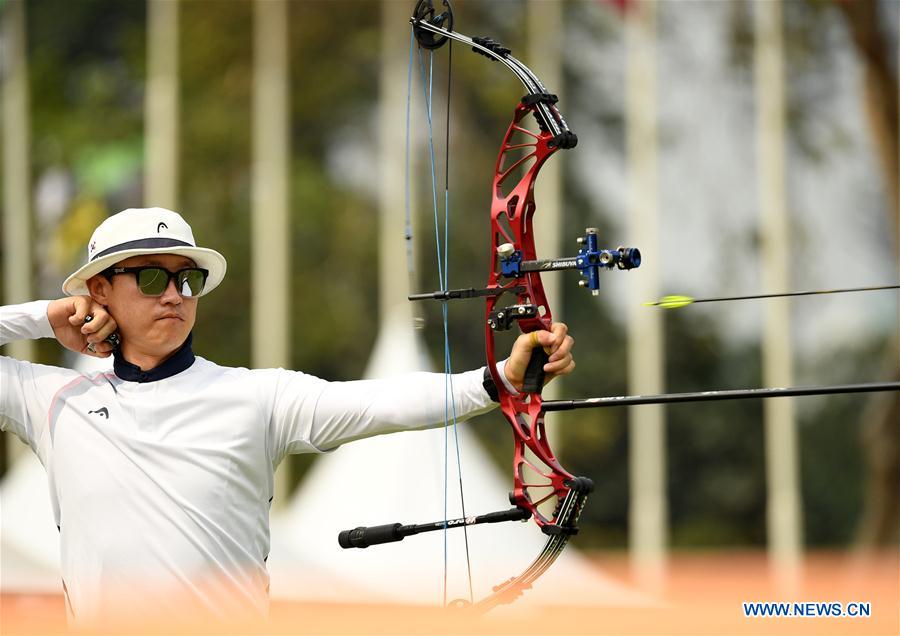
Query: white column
[648,526]
[544,57]
[784,522]
[270,258]
[161,106]
[393,282]
[17,249]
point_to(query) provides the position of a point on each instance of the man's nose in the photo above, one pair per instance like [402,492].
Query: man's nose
[171,295]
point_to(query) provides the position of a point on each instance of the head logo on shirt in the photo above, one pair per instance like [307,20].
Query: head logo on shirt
[101,411]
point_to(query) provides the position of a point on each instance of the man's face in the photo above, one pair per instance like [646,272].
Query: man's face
[148,325]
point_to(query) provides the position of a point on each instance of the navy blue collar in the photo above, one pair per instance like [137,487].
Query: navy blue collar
[178,362]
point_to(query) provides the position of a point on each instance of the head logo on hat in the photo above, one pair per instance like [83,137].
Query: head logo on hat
[138,231]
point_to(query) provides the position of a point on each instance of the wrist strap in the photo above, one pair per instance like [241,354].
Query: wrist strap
[490,386]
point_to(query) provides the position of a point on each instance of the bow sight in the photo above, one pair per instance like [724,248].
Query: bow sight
[589,260]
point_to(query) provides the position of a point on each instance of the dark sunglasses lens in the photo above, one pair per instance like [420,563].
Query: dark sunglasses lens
[152,281]
[190,282]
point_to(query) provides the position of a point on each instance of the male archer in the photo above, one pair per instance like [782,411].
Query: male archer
[161,471]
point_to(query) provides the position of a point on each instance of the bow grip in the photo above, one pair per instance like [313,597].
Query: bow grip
[534,372]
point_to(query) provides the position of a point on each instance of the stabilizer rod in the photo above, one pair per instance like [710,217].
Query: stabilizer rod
[363,536]
[712,396]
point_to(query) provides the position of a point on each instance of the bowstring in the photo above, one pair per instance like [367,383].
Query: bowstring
[450,416]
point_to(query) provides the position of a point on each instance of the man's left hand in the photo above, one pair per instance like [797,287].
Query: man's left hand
[557,343]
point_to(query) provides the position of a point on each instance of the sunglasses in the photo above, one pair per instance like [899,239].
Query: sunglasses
[153,281]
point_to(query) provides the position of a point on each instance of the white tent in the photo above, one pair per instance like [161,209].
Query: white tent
[29,540]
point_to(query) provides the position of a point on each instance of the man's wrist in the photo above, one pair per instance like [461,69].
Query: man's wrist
[57,312]
[490,386]
[39,310]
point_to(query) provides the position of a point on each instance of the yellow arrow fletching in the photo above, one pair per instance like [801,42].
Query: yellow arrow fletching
[671,302]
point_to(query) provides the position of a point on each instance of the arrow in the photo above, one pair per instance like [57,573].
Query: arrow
[674,302]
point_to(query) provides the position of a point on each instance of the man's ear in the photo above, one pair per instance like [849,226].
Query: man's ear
[99,288]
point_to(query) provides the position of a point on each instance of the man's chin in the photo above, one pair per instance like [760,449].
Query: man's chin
[168,335]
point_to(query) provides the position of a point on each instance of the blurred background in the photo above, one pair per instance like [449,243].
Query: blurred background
[745,147]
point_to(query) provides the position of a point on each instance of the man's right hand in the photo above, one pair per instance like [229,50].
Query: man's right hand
[67,317]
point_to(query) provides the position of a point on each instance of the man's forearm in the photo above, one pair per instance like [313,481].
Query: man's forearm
[27,321]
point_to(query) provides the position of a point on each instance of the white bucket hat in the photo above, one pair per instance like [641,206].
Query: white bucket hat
[139,231]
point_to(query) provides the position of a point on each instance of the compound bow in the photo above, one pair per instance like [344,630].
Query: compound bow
[543,489]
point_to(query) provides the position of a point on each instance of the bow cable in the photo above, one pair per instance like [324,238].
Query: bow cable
[462,498]
[442,252]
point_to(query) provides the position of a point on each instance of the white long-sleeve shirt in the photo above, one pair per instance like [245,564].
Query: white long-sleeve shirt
[161,488]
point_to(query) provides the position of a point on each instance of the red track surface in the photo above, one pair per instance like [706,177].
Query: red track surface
[703,595]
